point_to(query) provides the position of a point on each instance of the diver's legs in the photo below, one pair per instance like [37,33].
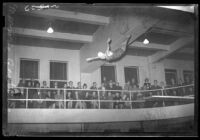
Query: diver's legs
[124,47]
[93,59]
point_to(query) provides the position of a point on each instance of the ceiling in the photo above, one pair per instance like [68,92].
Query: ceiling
[158,38]
[23,20]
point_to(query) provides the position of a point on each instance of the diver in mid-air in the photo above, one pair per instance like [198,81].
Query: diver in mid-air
[109,55]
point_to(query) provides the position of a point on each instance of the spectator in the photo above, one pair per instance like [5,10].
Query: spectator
[72,94]
[133,83]
[84,94]
[59,104]
[102,87]
[181,90]
[93,88]
[162,86]
[11,104]
[188,89]
[30,92]
[118,87]
[110,97]
[154,87]
[103,95]
[38,95]
[105,82]
[172,92]
[147,84]
[127,86]
[126,105]
[94,100]
[111,87]
[94,85]
[79,96]
[22,83]
[71,85]
[134,94]
[44,84]
[49,104]
[117,99]
[44,91]
[69,97]
[88,97]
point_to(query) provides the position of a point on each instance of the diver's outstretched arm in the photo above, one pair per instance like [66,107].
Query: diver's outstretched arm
[93,59]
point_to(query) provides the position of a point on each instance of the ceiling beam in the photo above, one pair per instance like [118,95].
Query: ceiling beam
[56,35]
[173,47]
[171,31]
[187,51]
[150,46]
[186,8]
[72,16]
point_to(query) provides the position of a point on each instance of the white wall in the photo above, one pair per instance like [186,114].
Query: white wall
[154,71]
[140,62]
[158,69]
[45,55]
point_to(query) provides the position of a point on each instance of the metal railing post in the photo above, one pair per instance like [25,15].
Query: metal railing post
[163,95]
[27,98]
[64,98]
[98,98]
[131,100]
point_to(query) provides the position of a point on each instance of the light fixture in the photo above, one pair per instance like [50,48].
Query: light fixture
[50,29]
[146,41]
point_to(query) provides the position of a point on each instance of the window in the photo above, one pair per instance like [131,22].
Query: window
[108,72]
[169,74]
[130,73]
[58,73]
[190,74]
[29,69]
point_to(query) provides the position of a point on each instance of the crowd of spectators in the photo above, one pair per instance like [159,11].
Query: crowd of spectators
[111,94]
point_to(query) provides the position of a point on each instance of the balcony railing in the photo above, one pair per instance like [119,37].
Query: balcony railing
[99,99]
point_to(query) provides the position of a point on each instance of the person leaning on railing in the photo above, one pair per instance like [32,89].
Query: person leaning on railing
[11,104]
[154,87]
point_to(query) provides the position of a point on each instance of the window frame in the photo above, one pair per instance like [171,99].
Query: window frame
[67,70]
[176,75]
[114,71]
[29,59]
[138,78]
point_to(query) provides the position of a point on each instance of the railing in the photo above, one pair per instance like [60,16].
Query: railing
[99,99]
